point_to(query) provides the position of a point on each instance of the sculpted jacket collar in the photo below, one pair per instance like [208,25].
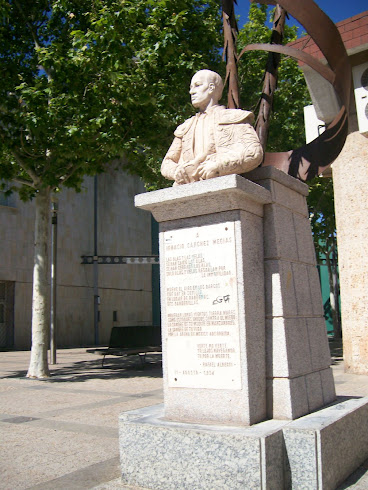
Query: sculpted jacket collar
[210,110]
[221,117]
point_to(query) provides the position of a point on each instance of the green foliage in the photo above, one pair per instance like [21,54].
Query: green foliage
[287,121]
[86,82]
[322,215]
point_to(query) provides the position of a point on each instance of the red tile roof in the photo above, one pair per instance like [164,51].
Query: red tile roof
[353,31]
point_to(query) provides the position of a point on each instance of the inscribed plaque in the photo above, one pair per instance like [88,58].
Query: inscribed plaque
[203,347]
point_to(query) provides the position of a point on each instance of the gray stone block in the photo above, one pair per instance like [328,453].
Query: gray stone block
[314,391]
[246,405]
[325,447]
[318,343]
[205,197]
[302,290]
[280,240]
[280,290]
[266,176]
[328,386]
[315,291]
[289,398]
[159,454]
[316,452]
[288,353]
[289,198]
[306,251]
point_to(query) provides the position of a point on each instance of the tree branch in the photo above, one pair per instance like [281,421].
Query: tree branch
[34,36]
[23,182]
[26,168]
[30,155]
[67,177]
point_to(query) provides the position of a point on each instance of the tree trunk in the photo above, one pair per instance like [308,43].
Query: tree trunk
[335,281]
[38,367]
[334,298]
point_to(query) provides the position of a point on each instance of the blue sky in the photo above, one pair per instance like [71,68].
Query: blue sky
[337,10]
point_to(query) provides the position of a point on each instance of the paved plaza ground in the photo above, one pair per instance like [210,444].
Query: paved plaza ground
[62,433]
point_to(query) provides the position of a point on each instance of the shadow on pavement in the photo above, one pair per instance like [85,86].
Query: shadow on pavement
[114,368]
[336,351]
[356,480]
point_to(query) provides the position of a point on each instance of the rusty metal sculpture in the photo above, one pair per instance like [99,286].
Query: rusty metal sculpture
[312,159]
[230,27]
[270,79]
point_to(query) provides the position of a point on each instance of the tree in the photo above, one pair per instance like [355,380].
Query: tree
[322,216]
[86,82]
[287,121]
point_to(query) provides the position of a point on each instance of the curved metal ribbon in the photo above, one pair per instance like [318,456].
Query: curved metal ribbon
[310,160]
[308,59]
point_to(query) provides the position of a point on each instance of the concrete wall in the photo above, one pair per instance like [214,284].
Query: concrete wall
[16,257]
[122,230]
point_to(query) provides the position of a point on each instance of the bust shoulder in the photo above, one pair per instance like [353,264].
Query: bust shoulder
[182,129]
[234,116]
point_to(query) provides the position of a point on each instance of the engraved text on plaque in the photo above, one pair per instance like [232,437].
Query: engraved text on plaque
[203,346]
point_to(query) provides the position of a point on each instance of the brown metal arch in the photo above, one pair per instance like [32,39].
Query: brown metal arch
[310,60]
[310,160]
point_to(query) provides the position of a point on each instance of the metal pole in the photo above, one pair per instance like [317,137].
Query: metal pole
[54,209]
[96,298]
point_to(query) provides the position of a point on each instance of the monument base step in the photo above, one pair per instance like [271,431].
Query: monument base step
[317,451]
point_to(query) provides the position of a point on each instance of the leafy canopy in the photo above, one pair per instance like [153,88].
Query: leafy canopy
[85,82]
[322,215]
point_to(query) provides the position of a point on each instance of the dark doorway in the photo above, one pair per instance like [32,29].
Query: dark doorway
[6,314]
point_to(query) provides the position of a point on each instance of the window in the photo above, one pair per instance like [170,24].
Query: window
[4,199]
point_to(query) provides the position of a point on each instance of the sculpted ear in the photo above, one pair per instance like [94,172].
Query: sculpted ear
[211,87]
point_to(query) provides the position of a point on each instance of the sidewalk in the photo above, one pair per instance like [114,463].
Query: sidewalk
[62,433]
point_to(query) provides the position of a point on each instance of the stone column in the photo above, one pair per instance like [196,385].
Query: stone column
[350,176]
[212,296]
[299,377]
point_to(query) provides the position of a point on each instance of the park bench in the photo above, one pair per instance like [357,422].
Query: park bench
[129,341]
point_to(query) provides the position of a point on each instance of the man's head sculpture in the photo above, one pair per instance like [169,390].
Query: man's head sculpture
[206,87]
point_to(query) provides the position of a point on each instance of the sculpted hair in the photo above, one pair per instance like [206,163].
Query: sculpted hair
[213,77]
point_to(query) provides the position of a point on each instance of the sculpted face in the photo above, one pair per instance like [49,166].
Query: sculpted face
[201,91]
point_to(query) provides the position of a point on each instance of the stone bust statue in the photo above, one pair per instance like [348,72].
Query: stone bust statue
[216,141]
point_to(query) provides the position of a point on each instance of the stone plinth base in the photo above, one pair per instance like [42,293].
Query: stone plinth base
[243,333]
[319,450]
[160,454]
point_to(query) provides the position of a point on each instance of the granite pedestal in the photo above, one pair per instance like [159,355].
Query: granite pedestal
[317,451]
[212,300]
[245,349]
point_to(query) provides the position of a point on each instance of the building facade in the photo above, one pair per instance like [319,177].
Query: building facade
[124,291]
